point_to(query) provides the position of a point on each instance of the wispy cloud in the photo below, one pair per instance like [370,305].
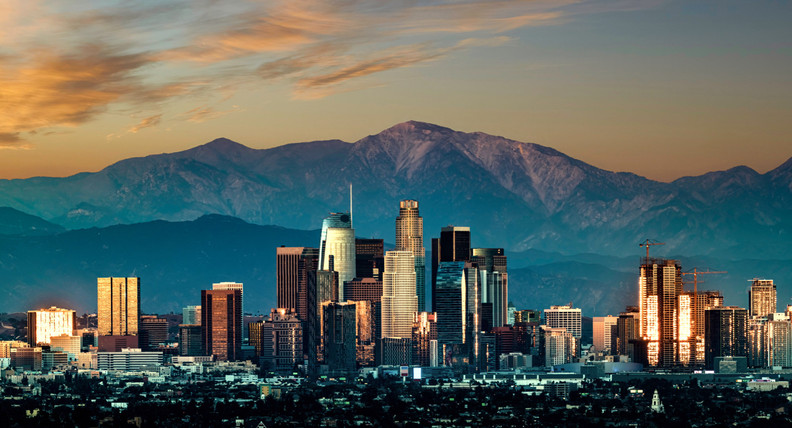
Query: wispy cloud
[65,66]
[146,123]
[204,113]
[12,141]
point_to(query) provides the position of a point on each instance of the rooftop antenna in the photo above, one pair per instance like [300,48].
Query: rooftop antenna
[351,226]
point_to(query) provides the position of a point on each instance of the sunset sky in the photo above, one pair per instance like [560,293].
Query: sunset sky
[663,89]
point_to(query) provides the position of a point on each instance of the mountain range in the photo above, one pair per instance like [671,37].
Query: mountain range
[536,202]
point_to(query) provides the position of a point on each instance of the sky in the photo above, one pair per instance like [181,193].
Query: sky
[663,89]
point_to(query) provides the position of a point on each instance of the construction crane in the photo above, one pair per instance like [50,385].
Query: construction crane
[648,243]
[696,273]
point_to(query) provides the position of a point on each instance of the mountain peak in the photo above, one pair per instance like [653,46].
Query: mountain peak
[412,126]
[224,145]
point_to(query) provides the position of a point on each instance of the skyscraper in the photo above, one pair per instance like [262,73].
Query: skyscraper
[338,242]
[725,333]
[424,333]
[235,286]
[291,285]
[762,299]
[409,237]
[660,283]
[495,282]
[339,331]
[43,324]
[369,258]
[570,319]
[450,297]
[452,246]
[221,323]
[399,301]
[118,306]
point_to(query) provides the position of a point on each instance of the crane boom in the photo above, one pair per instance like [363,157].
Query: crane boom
[648,243]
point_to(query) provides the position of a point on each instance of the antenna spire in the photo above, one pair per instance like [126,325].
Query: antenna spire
[351,225]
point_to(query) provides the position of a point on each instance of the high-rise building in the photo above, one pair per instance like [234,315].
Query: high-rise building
[190,340]
[221,323]
[339,330]
[235,286]
[565,316]
[452,246]
[424,333]
[725,333]
[369,258]
[287,336]
[118,306]
[338,242]
[43,324]
[450,302]
[560,346]
[409,237]
[660,284]
[627,331]
[291,285]
[495,282]
[153,331]
[191,315]
[779,337]
[322,289]
[603,326]
[66,343]
[399,301]
[366,321]
[762,298]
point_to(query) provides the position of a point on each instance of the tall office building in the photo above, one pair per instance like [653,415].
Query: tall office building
[762,298]
[339,331]
[118,306]
[409,237]
[725,333]
[369,258]
[660,284]
[564,316]
[322,288]
[424,334]
[285,332]
[153,331]
[221,323]
[495,282]
[190,340]
[191,315]
[779,338]
[452,246]
[338,242]
[367,290]
[291,286]
[603,327]
[240,287]
[43,324]
[450,302]
[627,331]
[560,346]
[399,300]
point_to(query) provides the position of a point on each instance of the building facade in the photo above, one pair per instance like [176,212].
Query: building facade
[399,299]
[118,306]
[409,237]
[43,324]
[221,323]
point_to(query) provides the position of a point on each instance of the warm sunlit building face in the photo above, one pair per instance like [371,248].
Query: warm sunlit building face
[44,324]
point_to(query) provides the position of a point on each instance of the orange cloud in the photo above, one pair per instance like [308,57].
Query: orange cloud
[12,140]
[204,113]
[146,123]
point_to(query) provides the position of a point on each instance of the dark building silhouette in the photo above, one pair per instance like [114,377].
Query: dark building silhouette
[725,333]
[190,340]
[221,312]
[153,331]
[369,259]
[452,246]
[450,303]
[340,344]
[322,288]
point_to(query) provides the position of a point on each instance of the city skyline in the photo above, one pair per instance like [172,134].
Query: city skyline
[600,81]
